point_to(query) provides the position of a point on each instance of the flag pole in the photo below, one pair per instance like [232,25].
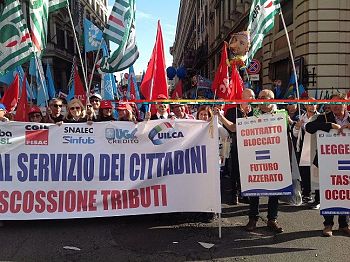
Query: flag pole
[295,75]
[94,65]
[79,51]
[292,58]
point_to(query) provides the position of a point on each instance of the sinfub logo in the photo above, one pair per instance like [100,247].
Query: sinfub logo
[37,135]
[163,132]
[5,137]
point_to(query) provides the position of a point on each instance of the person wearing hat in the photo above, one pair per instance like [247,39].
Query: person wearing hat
[106,111]
[3,118]
[35,115]
[162,110]
[125,112]
[95,100]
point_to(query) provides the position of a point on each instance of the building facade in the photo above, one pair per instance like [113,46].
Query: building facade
[319,33]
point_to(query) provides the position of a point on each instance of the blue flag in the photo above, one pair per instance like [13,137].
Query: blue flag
[108,86]
[50,82]
[92,36]
[70,95]
[42,95]
[32,67]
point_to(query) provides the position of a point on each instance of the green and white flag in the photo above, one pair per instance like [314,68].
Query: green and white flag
[15,41]
[261,21]
[54,5]
[38,10]
[120,30]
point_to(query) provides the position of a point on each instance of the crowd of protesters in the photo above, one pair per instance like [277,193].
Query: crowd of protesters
[301,123]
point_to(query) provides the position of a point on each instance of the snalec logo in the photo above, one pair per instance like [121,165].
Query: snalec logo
[163,132]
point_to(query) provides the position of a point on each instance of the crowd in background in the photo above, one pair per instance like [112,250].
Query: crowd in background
[308,119]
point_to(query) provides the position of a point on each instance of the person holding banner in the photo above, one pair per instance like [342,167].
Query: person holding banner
[35,115]
[3,118]
[54,112]
[106,111]
[244,110]
[162,111]
[272,211]
[339,119]
[75,112]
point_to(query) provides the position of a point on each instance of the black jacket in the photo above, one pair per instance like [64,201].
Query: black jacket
[323,122]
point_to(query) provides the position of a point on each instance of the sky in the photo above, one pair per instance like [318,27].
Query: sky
[148,12]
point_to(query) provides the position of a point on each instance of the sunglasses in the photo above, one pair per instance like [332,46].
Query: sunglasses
[94,101]
[89,106]
[56,105]
[75,108]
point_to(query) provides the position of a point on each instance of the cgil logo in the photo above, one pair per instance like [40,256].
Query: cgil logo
[36,127]
[78,140]
[121,136]
[37,135]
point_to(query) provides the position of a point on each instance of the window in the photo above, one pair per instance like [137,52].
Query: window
[60,38]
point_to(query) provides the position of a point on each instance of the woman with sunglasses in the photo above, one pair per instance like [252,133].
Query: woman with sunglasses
[54,112]
[75,112]
[106,111]
[35,115]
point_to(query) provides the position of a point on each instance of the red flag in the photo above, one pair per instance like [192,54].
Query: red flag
[177,93]
[79,91]
[155,78]
[10,97]
[22,108]
[236,84]
[221,85]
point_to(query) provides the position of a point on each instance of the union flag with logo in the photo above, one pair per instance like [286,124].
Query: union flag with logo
[15,41]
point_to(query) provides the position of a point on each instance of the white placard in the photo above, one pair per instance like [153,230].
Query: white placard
[263,155]
[334,172]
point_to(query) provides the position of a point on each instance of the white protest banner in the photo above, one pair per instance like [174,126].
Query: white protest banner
[334,172]
[263,155]
[108,169]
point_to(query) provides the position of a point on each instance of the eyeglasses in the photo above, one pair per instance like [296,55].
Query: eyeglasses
[36,116]
[94,101]
[57,105]
[75,108]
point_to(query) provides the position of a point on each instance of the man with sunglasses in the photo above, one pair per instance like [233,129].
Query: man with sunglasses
[162,110]
[95,100]
[54,113]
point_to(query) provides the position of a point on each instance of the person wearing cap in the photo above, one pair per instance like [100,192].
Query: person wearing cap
[106,111]
[125,112]
[95,100]
[75,112]
[35,115]
[3,118]
[179,111]
[54,114]
[162,110]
